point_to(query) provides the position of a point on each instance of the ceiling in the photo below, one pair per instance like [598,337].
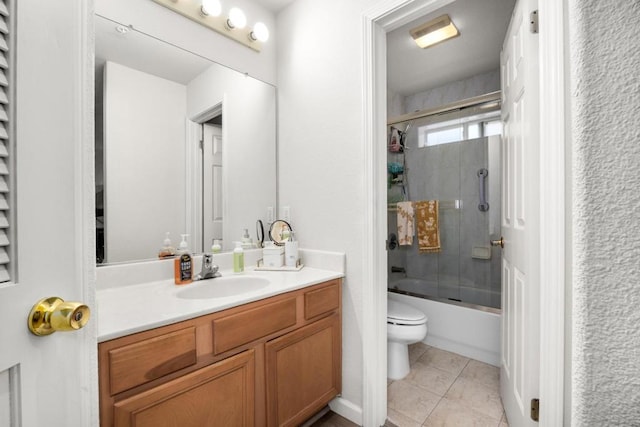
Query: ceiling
[144,53]
[274,5]
[482,25]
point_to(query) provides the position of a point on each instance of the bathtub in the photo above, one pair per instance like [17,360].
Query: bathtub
[455,327]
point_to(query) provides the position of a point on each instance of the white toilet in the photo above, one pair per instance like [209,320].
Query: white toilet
[405,325]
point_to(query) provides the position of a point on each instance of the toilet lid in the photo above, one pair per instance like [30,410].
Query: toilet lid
[404,314]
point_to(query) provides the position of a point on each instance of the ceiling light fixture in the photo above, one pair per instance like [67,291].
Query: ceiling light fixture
[209,13]
[236,19]
[211,7]
[260,32]
[434,31]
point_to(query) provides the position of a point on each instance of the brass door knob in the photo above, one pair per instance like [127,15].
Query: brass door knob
[499,242]
[54,314]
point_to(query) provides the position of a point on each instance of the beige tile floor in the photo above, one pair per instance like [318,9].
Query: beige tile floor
[443,389]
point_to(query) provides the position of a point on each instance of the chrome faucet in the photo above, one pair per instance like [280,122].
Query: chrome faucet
[209,270]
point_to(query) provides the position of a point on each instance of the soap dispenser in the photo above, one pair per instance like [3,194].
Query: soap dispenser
[166,250]
[183,264]
[246,240]
[238,258]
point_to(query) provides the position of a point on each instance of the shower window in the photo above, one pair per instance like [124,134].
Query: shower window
[442,136]
[462,129]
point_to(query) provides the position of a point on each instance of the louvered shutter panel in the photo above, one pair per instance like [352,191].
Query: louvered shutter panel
[6,67]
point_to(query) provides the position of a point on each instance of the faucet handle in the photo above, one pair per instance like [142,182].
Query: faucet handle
[207,261]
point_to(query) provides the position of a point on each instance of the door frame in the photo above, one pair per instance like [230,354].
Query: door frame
[381,18]
[193,168]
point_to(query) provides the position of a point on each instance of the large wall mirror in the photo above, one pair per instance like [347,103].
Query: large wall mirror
[183,145]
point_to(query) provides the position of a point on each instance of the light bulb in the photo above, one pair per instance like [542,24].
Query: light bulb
[260,32]
[236,19]
[211,7]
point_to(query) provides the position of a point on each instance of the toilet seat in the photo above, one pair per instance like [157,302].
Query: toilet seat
[404,314]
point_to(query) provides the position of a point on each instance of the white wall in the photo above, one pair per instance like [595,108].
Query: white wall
[462,89]
[248,132]
[395,104]
[605,59]
[137,189]
[320,148]
[158,21]
[319,61]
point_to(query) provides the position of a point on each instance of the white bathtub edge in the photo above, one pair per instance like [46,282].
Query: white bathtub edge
[488,357]
[465,331]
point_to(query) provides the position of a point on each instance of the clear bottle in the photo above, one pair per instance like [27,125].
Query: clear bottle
[246,240]
[167,250]
[238,258]
[183,264]
[291,251]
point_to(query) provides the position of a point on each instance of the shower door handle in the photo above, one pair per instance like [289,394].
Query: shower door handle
[499,242]
[483,206]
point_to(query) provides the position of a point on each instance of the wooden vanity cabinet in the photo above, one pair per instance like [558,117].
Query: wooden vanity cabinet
[273,362]
[219,394]
[303,371]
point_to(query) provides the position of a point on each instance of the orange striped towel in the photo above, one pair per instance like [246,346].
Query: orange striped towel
[427,224]
[405,223]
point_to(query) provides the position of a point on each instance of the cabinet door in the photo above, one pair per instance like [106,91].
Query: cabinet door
[303,371]
[221,394]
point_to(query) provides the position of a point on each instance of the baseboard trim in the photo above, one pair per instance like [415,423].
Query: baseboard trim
[462,349]
[316,417]
[347,409]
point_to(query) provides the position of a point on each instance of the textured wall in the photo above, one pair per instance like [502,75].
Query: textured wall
[605,46]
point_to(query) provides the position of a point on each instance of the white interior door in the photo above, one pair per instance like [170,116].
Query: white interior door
[49,379]
[519,375]
[212,196]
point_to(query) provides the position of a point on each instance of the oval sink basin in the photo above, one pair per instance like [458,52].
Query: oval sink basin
[223,287]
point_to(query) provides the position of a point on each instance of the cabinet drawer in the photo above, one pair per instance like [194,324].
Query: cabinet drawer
[321,301]
[222,394]
[144,361]
[241,328]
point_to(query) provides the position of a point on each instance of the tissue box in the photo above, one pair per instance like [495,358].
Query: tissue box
[273,256]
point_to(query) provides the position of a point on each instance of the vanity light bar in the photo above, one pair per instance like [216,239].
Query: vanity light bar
[225,25]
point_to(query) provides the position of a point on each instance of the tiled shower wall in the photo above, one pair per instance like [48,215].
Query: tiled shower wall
[446,173]
[449,172]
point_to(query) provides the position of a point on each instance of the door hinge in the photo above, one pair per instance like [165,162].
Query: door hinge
[533,22]
[535,409]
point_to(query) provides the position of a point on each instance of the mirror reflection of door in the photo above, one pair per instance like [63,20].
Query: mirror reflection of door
[212,193]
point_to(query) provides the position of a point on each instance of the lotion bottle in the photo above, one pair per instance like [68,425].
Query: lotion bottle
[238,258]
[291,251]
[183,264]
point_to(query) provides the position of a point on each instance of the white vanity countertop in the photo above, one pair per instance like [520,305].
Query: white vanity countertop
[128,309]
